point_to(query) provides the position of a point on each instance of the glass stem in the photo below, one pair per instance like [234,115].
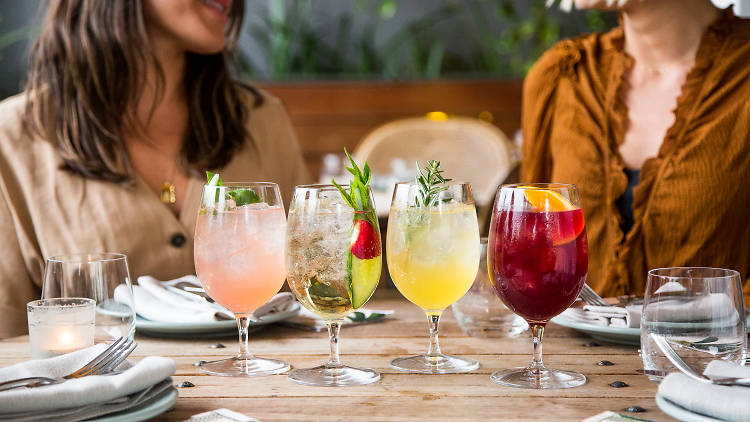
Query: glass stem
[433,353]
[537,331]
[334,327]
[243,322]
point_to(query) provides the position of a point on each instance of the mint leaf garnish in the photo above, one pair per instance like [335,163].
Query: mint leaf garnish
[244,196]
[240,196]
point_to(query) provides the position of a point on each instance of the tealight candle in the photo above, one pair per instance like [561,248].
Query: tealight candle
[60,325]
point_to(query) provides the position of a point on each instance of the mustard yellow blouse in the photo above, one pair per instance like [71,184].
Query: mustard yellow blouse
[692,203]
[46,211]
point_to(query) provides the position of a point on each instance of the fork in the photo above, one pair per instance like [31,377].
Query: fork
[689,371]
[103,363]
[591,297]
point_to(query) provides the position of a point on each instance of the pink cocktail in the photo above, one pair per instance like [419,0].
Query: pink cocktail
[239,255]
[239,259]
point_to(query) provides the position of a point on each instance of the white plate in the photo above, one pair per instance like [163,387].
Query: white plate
[205,329]
[619,335]
[680,413]
[145,411]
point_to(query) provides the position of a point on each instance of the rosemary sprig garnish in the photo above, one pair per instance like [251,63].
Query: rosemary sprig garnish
[431,182]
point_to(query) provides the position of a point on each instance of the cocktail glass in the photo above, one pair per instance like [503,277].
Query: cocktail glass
[333,263]
[239,259]
[433,256]
[538,261]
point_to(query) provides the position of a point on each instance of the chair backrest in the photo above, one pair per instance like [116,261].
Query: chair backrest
[468,149]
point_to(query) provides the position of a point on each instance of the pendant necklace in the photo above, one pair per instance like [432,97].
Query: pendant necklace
[168,194]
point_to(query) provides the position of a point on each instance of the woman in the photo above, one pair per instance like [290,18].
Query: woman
[127,104]
[652,122]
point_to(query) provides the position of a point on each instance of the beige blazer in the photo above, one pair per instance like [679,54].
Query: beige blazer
[46,211]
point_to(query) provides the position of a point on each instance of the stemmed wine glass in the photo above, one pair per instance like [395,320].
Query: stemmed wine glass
[333,260]
[239,260]
[433,257]
[538,261]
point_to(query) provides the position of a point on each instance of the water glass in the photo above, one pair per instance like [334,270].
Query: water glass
[699,311]
[103,277]
[480,313]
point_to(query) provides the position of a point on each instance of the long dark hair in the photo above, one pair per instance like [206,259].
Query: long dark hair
[86,74]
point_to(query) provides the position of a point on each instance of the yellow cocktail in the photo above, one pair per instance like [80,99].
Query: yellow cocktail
[432,248]
[433,255]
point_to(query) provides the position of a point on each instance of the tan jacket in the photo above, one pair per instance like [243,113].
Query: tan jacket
[46,211]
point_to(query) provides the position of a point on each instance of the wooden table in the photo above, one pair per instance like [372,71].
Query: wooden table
[398,396]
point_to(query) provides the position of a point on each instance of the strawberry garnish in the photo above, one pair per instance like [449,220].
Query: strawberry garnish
[365,240]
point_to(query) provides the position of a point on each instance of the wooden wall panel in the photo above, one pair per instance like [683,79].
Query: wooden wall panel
[331,116]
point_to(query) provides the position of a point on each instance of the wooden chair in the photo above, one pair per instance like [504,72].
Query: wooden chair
[468,149]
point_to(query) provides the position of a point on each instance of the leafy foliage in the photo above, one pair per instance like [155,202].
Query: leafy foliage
[503,39]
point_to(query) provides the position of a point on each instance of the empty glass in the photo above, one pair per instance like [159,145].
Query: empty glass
[103,277]
[700,312]
[480,313]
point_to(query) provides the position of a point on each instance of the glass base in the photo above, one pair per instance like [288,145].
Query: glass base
[538,378]
[341,376]
[253,367]
[440,364]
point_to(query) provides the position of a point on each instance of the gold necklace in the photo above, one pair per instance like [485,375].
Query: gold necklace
[168,193]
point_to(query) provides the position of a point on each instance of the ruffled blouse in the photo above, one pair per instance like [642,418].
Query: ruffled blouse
[691,206]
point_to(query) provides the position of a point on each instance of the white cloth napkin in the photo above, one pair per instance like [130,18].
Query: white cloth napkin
[307,320]
[160,301]
[720,402]
[715,306]
[79,391]
[606,316]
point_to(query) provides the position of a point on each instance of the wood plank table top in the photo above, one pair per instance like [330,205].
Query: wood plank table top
[398,396]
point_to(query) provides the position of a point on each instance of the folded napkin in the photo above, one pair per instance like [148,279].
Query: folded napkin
[606,316]
[78,392]
[715,306]
[161,301]
[307,320]
[716,401]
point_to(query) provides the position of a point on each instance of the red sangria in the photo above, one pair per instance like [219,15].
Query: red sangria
[538,261]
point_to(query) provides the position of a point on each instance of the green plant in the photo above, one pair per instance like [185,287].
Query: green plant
[504,39]
[13,36]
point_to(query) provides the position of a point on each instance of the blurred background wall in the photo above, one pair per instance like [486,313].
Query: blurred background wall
[343,67]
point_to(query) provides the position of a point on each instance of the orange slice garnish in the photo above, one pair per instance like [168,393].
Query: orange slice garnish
[569,224]
[547,200]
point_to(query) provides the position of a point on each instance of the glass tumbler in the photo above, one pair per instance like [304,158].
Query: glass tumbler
[701,314]
[103,277]
[480,313]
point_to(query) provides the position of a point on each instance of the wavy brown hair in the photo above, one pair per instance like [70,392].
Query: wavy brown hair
[86,74]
